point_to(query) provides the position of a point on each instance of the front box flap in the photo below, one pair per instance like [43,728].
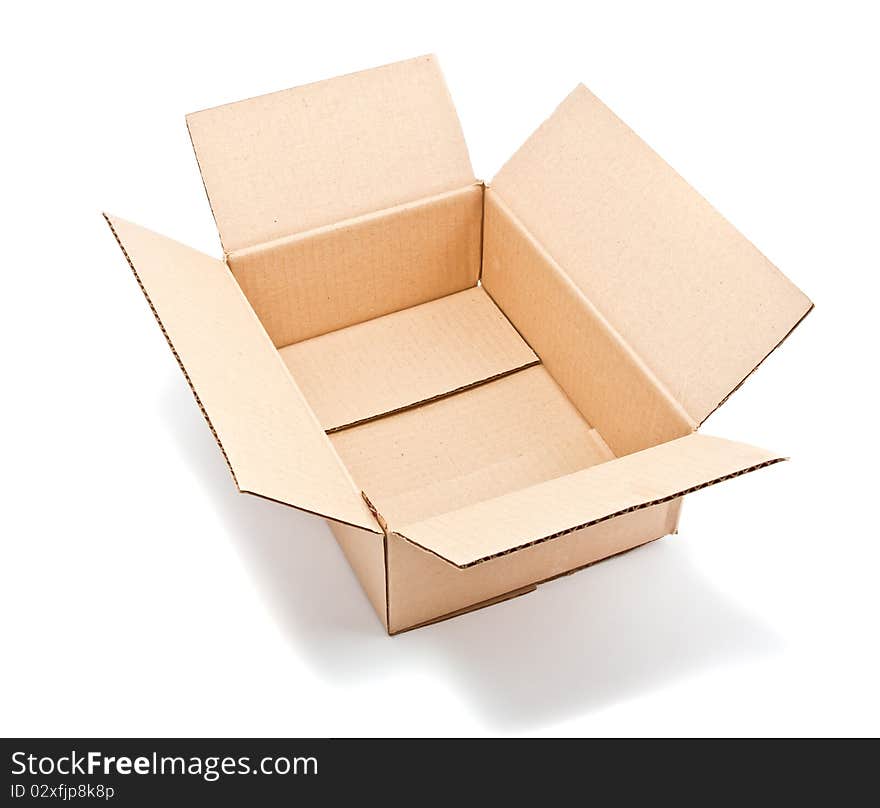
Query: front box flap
[695,300]
[272,441]
[551,509]
[315,155]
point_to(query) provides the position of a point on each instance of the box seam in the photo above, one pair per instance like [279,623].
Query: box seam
[380,520]
[431,399]
[387,583]
[473,607]
[511,323]
[302,235]
[482,233]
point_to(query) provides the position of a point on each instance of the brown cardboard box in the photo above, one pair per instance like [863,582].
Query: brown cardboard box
[481,387]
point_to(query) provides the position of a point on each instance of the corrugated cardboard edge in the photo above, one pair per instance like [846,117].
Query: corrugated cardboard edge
[484,186]
[353,221]
[745,378]
[572,529]
[196,395]
[171,346]
[205,189]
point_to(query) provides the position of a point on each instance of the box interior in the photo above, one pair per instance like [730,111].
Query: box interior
[406,358]
[432,407]
[450,349]
[500,436]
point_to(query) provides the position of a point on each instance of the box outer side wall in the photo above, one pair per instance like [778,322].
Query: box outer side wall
[423,588]
[416,587]
[365,553]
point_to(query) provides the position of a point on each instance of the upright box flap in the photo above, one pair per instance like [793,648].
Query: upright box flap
[545,511]
[314,155]
[696,301]
[272,441]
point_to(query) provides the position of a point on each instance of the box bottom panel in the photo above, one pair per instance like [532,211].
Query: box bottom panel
[502,436]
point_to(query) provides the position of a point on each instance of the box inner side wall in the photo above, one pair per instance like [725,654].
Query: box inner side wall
[317,282]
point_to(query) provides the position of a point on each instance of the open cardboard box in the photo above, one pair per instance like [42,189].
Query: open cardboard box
[480,387]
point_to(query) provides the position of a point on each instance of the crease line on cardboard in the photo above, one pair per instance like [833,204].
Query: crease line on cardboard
[474,607]
[387,583]
[519,333]
[483,234]
[431,399]
[280,348]
[640,363]
[292,238]
[601,519]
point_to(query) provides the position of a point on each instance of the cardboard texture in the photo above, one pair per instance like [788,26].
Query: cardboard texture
[543,511]
[693,298]
[481,388]
[298,159]
[273,442]
[406,358]
[494,438]
[351,272]
[601,374]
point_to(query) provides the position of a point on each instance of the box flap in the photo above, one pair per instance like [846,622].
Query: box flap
[407,358]
[314,155]
[551,509]
[690,295]
[272,441]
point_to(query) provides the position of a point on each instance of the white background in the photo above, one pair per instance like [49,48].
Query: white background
[142,596]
